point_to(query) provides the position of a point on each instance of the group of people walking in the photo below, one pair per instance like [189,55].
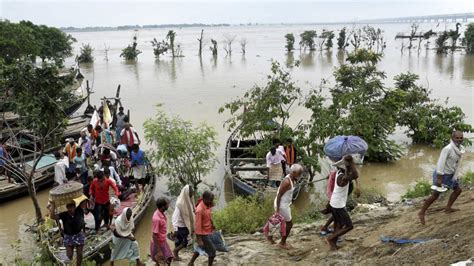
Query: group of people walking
[194,221]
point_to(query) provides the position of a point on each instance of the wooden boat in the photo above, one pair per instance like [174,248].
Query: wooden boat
[247,172]
[97,246]
[44,176]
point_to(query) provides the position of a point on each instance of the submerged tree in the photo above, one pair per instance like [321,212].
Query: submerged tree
[86,54]
[454,36]
[342,39]
[159,48]
[130,53]
[441,43]
[228,40]
[265,109]
[213,48]
[200,40]
[307,39]
[41,96]
[469,38]
[290,42]
[325,40]
[426,120]
[363,106]
[170,36]
[182,152]
[243,45]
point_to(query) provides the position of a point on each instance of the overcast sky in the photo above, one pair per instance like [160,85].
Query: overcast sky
[113,13]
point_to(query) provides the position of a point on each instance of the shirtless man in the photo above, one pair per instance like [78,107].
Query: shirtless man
[337,204]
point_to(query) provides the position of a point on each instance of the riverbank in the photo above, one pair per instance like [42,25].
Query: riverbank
[449,238]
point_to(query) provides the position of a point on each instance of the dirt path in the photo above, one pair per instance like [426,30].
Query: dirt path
[451,239]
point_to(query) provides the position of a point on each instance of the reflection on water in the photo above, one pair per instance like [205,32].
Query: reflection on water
[307,60]
[290,59]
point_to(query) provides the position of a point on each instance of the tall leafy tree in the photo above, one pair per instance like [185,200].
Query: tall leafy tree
[25,40]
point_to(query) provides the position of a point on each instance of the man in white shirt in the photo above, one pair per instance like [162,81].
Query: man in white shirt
[274,159]
[445,175]
[60,168]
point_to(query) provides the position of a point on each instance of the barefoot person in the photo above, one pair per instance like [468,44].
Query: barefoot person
[125,246]
[203,228]
[183,219]
[283,201]
[159,249]
[72,227]
[445,175]
[342,220]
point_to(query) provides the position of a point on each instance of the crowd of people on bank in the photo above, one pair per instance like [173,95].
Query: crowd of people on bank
[193,221]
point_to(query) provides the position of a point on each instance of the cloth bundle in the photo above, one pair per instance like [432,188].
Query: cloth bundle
[275,223]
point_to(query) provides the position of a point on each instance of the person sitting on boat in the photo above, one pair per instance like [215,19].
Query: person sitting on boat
[125,246]
[159,248]
[138,163]
[283,201]
[274,163]
[290,152]
[72,227]
[99,191]
[129,136]
[121,119]
[60,168]
[183,219]
[70,152]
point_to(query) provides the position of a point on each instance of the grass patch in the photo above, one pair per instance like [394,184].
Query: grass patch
[422,188]
[243,215]
[468,178]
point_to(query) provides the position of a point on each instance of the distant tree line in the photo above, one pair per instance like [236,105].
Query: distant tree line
[133,27]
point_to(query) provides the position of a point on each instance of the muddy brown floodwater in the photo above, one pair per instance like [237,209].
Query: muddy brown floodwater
[195,88]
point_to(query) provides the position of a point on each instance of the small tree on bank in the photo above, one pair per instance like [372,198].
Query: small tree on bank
[182,152]
[290,42]
[86,54]
[40,96]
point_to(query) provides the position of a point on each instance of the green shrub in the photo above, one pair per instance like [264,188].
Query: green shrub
[422,188]
[243,215]
[86,54]
[468,178]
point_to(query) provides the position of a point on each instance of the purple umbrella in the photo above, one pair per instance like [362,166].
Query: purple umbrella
[339,146]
